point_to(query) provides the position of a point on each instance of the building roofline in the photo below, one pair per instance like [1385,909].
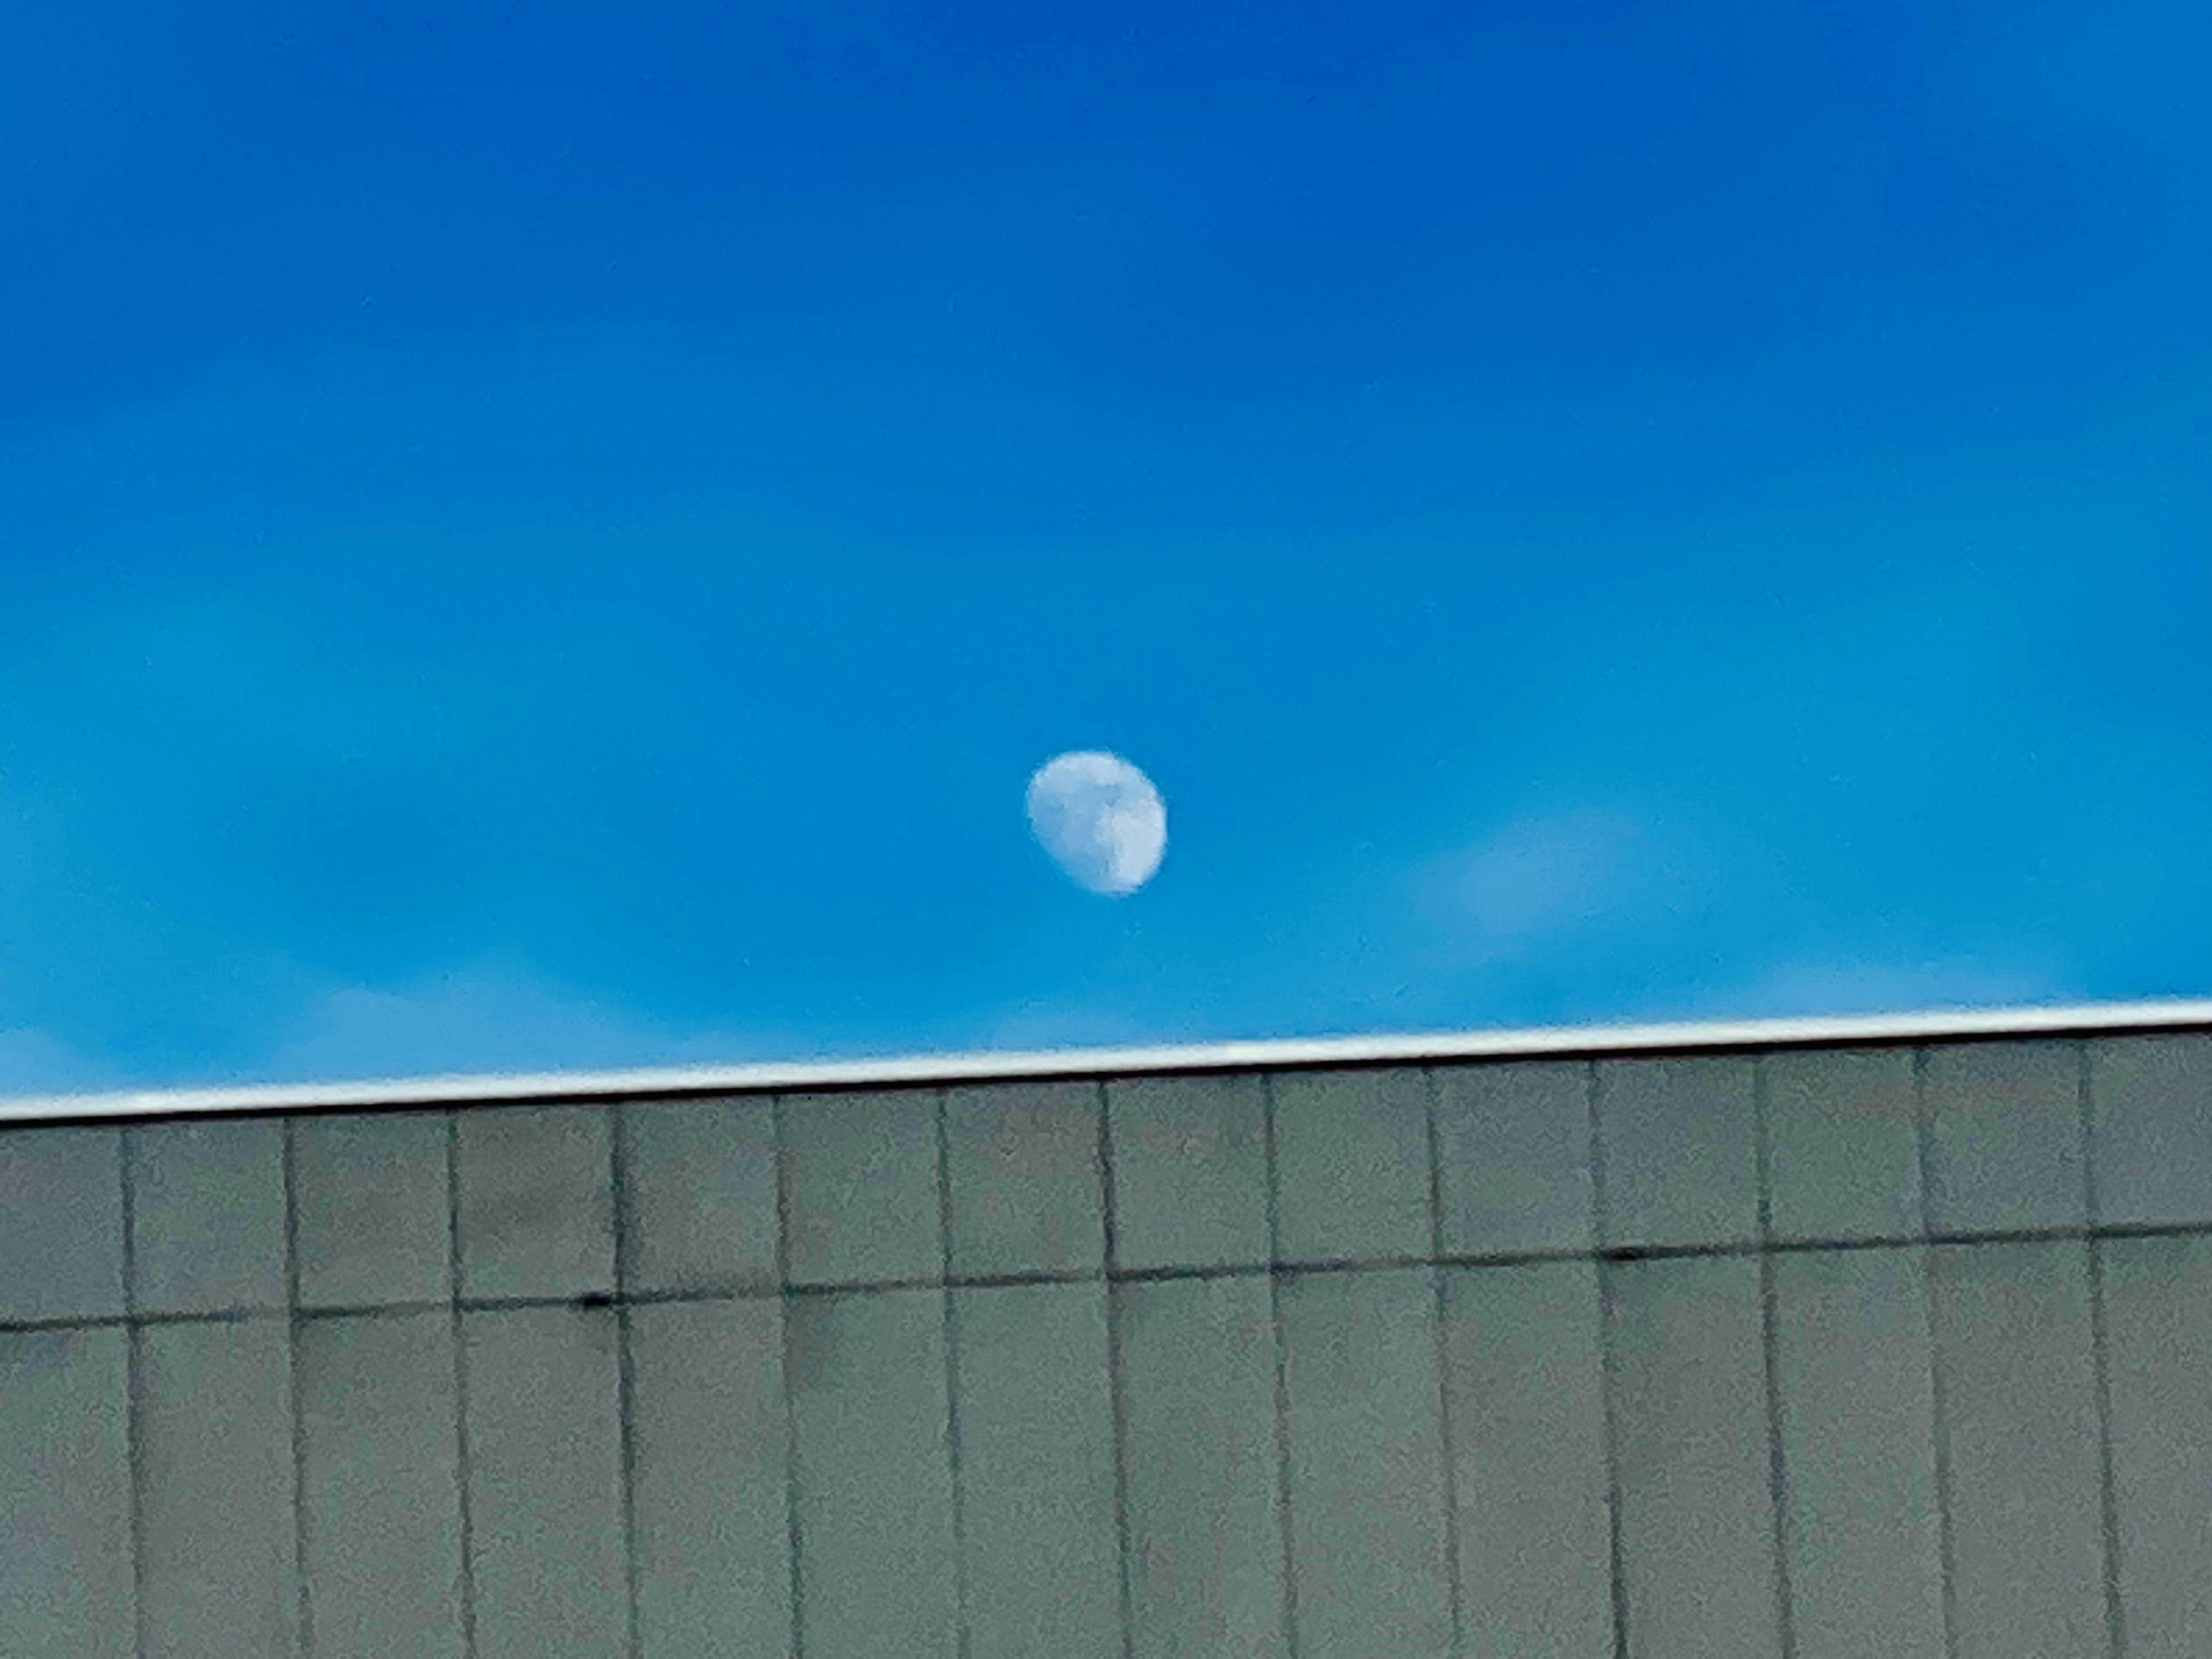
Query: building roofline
[1561,1042]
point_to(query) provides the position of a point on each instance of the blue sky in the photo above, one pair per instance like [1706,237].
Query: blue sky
[557,535]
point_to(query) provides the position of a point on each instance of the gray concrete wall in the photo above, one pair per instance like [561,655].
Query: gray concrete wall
[1821,1353]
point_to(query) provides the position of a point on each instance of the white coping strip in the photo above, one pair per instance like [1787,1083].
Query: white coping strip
[786,1076]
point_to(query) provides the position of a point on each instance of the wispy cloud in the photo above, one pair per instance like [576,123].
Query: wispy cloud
[1058,1025]
[1811,987]
[33,1062]
[494,1016]
[1538,874]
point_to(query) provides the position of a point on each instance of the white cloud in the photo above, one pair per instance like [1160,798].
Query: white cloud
[1537,874]
[1814,988]
[491,1016]
[1040,1025]
[34,1063]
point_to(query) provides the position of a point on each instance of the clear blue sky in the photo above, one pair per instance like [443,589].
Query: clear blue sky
[557,534]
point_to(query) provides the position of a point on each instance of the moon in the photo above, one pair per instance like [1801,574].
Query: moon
[1100,819]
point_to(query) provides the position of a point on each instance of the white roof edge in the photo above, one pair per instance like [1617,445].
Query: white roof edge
[783,1077]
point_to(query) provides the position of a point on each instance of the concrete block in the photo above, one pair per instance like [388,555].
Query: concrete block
[1524,1389]
[1843,1134]
[1513,1148]
[545,1483]
[218,1556]
[1205,1556]
[874,1476]
[711,1452]
[61,1223]
[537,1202]
[699,1184]
[1022,1162]
[65,1584]
[207,1216]
[1856,1399]
[2150,1126]
[1352,1163]
[1366,1463]
[373,1224]
[1696,1510]
[2018,1388]
[380,1462]
[1679,1145]
[1190,1170]
[2158,1321]
[2007,1148]
[863,1175]
[1043,1552]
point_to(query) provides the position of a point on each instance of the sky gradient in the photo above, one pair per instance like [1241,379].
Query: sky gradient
[558,537]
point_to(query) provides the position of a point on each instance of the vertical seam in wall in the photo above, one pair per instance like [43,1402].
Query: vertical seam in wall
[793,1566]
[1285,1521]
[1443,1363]
[303,1610]
[952,1379]
[1923,1141]
[1939,1409]
[1608,1365]
[2116,1636]
[1769,1354]
[1117,1403]
[468,1585]
[625,1383]
[134,1388]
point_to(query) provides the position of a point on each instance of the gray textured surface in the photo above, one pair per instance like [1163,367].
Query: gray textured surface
[1527,1436]
[711,1451]
[1205,1559]
[1021,1160]
[1513,1152]
[1844,1144]
[1352,1163]
[1697,1515]
[2150,1101]
[372,1223]
[207,1217]
[217,1557]
[2013,1342]
[1678,1142]
[1042,1561]
[2158,1303]
[699,1187]
[61,1223]
[64,1495]
[862,1176]
[1366,1464]
[1190,1170]
[866,1374]
[536,1212]
[547,1556]
[381,1467]
[1038,1564]
[2005,1149]
[1856,1390]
